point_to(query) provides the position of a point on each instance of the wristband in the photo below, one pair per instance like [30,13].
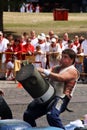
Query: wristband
[46,72]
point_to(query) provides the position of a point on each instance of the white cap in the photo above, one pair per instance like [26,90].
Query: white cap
[41,37]
[53,40]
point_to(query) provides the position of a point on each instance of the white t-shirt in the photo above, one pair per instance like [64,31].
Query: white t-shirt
[84,46]
[3,47]
[3,44]
[34,42]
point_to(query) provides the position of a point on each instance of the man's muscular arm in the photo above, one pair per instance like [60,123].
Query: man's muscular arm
[70,74]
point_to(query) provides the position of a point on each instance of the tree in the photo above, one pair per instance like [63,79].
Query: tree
[1,14]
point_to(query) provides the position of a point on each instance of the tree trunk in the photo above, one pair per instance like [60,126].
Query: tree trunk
[1,14]
[1,20]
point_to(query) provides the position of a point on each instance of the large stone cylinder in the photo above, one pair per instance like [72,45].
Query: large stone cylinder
[33,82]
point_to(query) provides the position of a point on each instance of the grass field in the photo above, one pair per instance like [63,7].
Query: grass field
[17,23]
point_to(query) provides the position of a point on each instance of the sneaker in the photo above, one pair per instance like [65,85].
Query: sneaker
[10,78]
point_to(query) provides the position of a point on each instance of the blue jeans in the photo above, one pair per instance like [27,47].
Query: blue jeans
[36,110]
[85,64]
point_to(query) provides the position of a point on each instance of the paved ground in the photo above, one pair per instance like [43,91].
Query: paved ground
[18,99]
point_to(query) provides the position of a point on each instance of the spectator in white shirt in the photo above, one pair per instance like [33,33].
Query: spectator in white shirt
[3,47]
[54,53]
[84,50]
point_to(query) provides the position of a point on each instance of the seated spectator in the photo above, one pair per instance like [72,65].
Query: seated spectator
[9,63]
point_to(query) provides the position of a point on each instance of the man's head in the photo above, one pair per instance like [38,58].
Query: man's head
[69,56]
[41,39]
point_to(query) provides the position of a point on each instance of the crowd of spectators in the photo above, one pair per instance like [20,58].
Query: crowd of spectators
[30,8]
[46,48]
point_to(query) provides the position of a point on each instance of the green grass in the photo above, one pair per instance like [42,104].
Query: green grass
[18,23]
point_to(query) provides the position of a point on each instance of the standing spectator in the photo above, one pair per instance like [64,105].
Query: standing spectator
[3,47]
[27,6]
[11,43]
[47,52]
[33,37]
[42,44]
[37,9]
[10,37]
[81,39]
[65,40]
[70,45]
[54,53]
[84,50]
[48,38]
[31,8]
[22,8]
[56,37]
[47,43]
[23,42]
[51,34]
[38,56]
[76,42]
[17,49]
[62,47]
[23,39]
[25,36]
[79,63]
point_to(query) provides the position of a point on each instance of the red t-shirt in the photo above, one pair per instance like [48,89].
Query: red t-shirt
[8,55]
[17,48]
[28,47]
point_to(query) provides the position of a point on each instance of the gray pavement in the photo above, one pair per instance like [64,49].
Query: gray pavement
[18,99]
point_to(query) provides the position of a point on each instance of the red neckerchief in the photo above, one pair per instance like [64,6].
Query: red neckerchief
[76,43]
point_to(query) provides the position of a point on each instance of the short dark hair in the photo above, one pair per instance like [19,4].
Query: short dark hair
[70,53]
